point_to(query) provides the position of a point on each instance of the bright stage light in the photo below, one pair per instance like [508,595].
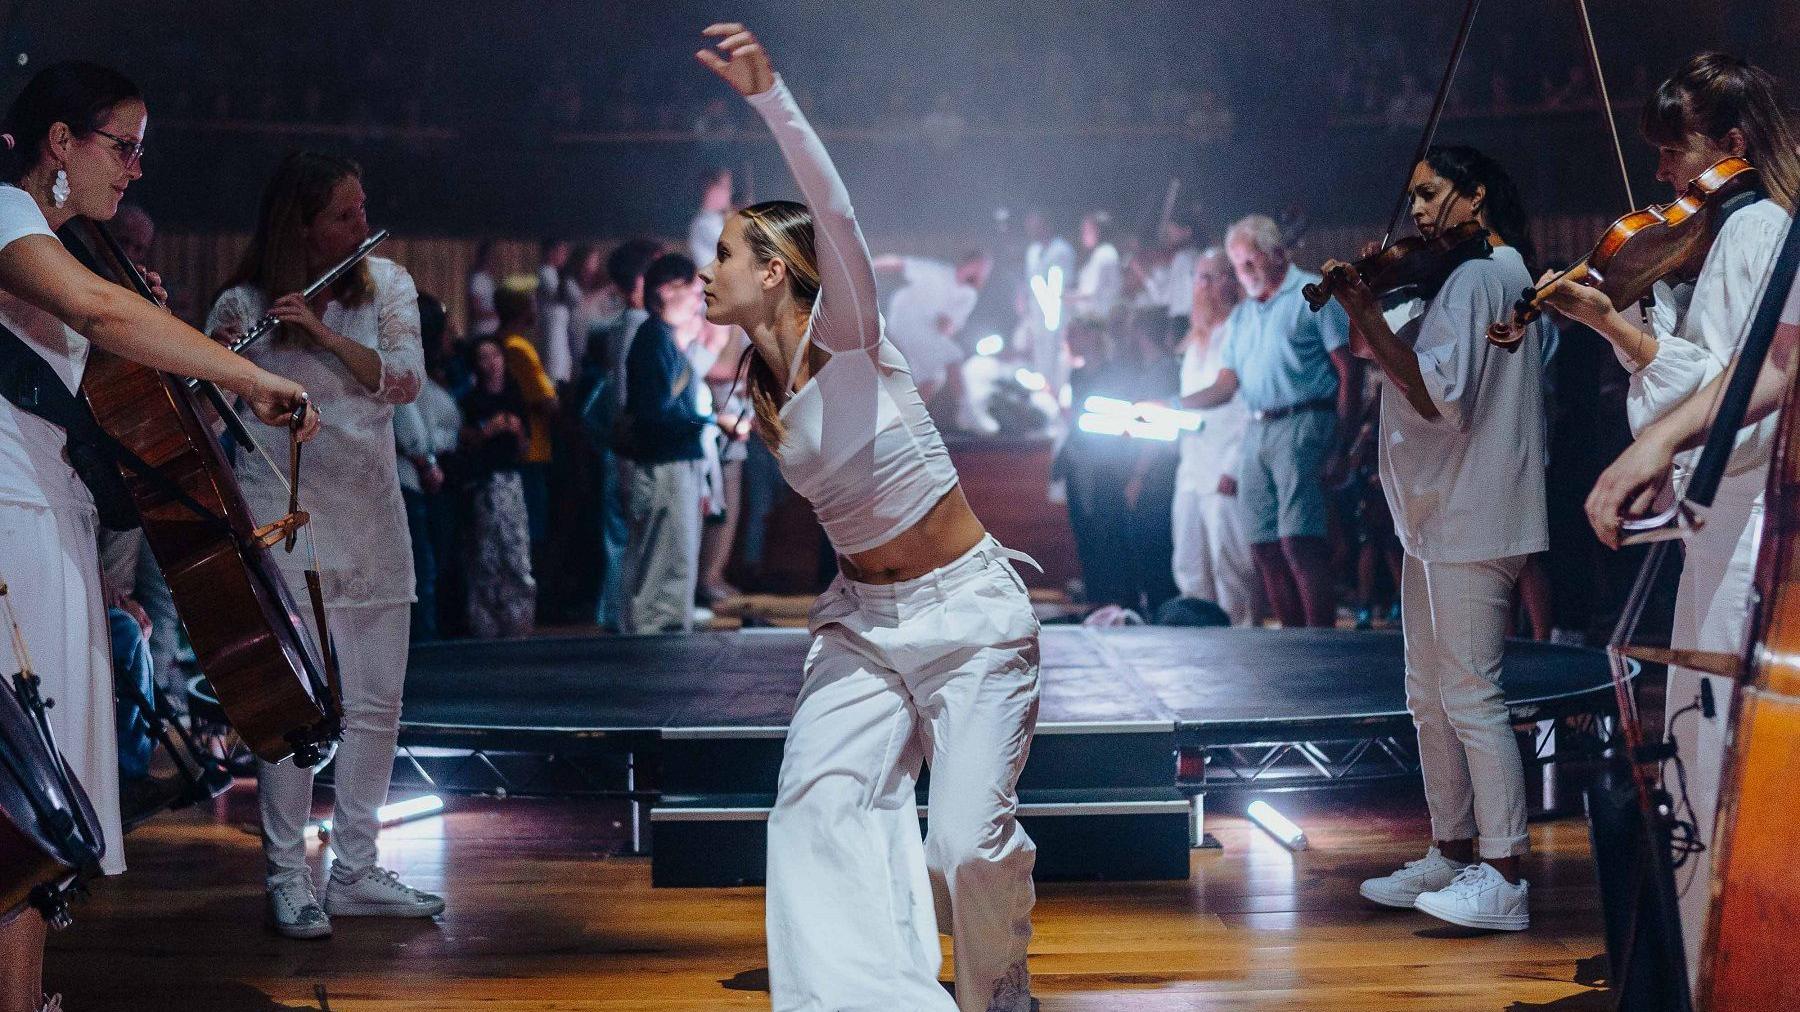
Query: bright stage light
[1032,381]
[1102,425]
[391,814]
[991,345]
[1047,290]
[1276,825]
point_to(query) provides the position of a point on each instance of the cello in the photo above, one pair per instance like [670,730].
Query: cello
[280,696]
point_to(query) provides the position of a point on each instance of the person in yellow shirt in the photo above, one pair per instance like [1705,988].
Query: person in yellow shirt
[517,308]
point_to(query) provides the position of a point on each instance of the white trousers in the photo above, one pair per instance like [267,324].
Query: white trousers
[942,669]
[662,555]
[1454,617]
[1712,612]
[372,645]
[50,560]
[1212,560]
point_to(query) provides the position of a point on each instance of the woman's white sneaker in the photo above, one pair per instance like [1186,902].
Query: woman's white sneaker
[295,912]
[1432,872]
[1480,898]
[378,892]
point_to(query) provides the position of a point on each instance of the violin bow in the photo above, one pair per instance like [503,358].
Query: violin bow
[1612,125]
[1431,123]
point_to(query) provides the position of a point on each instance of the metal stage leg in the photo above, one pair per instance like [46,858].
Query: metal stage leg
[637,806]
[1198,837]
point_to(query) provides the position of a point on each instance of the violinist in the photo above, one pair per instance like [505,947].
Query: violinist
[1462,466]
[72,144]
[358,348]
[1713,107]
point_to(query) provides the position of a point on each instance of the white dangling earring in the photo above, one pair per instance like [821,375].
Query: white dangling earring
[59,190]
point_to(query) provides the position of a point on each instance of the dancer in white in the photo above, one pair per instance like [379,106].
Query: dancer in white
[925,647]
[73,142]
[357,347]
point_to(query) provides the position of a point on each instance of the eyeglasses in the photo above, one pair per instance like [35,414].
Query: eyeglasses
[130,152]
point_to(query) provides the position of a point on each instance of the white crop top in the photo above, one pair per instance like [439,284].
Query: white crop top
[860,445]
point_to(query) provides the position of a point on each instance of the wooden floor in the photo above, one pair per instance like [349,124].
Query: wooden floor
[542,917]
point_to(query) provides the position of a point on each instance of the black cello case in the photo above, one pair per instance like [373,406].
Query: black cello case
[50,840]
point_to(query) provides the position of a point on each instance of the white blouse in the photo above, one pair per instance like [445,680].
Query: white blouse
[349,481]
[1698,328]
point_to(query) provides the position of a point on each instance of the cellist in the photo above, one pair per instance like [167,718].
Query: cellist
[72,143]
[1713,107]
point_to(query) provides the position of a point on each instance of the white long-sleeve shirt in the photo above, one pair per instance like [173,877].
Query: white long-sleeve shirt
[349,480]
[859,445]
[1698,328]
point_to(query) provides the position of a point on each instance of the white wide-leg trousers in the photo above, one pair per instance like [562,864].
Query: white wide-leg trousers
[942,669]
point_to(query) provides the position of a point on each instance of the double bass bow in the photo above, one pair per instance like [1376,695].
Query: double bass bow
[280,694]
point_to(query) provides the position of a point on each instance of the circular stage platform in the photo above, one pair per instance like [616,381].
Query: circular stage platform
[1148,675]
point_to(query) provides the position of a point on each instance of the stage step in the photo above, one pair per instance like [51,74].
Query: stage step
[1108,834]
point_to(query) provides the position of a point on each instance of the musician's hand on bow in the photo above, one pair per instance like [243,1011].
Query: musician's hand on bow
[293,308]
[1629,486]
[1582,303]
[275,399]
[739,58]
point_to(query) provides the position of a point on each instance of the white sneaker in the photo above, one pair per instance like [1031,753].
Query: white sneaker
[1480,898]
[295,912]
[379,893]
[1432,872]
[52,1003]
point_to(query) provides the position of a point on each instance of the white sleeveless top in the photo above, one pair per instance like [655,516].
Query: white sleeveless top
[860,445]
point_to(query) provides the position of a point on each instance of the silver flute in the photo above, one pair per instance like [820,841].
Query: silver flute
[319,284]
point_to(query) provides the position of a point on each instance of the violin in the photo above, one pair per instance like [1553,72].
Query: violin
[1414,267]
[1646,246]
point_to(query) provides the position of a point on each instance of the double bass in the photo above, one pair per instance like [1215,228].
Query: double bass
[280,695]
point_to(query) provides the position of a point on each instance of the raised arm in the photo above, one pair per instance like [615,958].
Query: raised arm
[846,316]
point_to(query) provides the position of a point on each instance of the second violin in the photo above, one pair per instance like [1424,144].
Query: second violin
[1646,246]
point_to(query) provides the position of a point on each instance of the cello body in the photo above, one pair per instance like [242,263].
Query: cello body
[242,622]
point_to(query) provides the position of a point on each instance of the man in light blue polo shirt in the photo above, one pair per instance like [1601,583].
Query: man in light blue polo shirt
[1296,375]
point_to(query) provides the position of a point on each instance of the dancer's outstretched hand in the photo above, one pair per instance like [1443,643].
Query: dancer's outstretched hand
[737,57]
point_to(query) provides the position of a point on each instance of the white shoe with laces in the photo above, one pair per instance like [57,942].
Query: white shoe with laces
[1480,898]
[294,911]
[378,892]
[1432,872]
[52,1003]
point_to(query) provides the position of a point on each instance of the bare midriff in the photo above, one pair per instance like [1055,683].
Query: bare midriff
[941,536]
